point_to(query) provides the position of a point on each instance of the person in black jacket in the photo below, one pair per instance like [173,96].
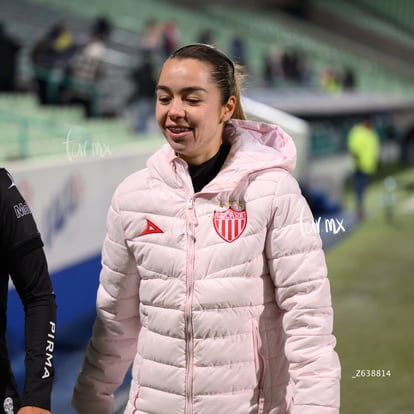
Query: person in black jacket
[9,50]
[23,259]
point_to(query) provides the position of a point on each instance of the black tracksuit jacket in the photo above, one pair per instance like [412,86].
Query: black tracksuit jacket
[22,258]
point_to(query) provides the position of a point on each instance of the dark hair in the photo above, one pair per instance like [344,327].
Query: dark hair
[225,73]
[101,27]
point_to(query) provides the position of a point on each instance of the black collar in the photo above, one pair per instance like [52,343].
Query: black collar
[202,174]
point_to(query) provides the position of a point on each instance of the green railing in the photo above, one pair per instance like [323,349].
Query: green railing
[23,136]
[29,130]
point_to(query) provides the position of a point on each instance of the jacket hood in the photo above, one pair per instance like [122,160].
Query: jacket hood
[255,147]
[249,138]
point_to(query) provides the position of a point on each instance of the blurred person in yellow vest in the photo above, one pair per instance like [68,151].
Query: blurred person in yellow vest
[364,146]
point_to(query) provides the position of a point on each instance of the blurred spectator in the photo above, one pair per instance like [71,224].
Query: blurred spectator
[238,50]
[364,146]
[271,67]
[290,66]
[152,38]
[9,48]
[142,98]
[206,36]
[52,51]
[407,146]
[306,72]
[171,38]
[330,81]
[268,69]
[348,80]
[85,68]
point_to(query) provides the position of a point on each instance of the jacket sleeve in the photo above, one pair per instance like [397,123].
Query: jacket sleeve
[26,264]
[112,346]
[298,268]
[31,278]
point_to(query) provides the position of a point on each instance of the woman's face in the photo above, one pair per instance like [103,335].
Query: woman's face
[189,111]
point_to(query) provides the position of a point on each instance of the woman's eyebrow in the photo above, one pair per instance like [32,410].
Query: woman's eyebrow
[187,89]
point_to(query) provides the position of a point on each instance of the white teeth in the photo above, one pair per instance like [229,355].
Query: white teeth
[178,130]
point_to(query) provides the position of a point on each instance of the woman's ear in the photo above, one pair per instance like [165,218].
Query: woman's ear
[228,109]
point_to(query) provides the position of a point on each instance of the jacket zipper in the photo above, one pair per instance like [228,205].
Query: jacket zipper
[189,337]
[260,363]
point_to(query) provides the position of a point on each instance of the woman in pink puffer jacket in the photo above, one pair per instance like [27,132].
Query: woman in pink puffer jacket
[213,283]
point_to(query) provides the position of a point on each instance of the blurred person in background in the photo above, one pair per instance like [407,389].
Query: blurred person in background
[331,81]
[142,98]
[291,62]
[23,259]
[51,52]
[170,38]
[9,50]
[407,146]
[364,146]
[271,68]
[206,36]
[85,68]
[209,285]
[238,50]
[151,42]
[349,79]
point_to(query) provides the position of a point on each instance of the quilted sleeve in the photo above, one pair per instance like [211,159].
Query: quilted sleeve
[298,268]
[112,346]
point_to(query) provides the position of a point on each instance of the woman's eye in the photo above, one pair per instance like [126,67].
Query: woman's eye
[164,99]
[193,101]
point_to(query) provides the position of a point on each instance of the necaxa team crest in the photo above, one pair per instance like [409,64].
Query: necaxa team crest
[230,224]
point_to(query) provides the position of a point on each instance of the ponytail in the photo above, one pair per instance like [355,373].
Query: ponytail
[238,80]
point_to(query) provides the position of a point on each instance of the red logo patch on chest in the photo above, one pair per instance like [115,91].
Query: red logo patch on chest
[230,224]
[150,229]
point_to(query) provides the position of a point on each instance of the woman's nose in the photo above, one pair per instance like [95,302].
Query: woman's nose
[176,110]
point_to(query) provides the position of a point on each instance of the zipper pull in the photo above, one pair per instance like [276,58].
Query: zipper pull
[192,214]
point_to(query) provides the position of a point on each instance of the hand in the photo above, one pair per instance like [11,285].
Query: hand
[33,410]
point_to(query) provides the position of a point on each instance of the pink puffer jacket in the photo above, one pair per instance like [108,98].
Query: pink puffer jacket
[221,298]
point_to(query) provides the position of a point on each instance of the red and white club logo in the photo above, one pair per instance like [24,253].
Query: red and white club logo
[230,224]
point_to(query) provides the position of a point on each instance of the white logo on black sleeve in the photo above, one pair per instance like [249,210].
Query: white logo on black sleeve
[13,184]
[21,210]
[8,406]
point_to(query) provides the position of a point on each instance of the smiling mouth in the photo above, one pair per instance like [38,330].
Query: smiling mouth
[178,130]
